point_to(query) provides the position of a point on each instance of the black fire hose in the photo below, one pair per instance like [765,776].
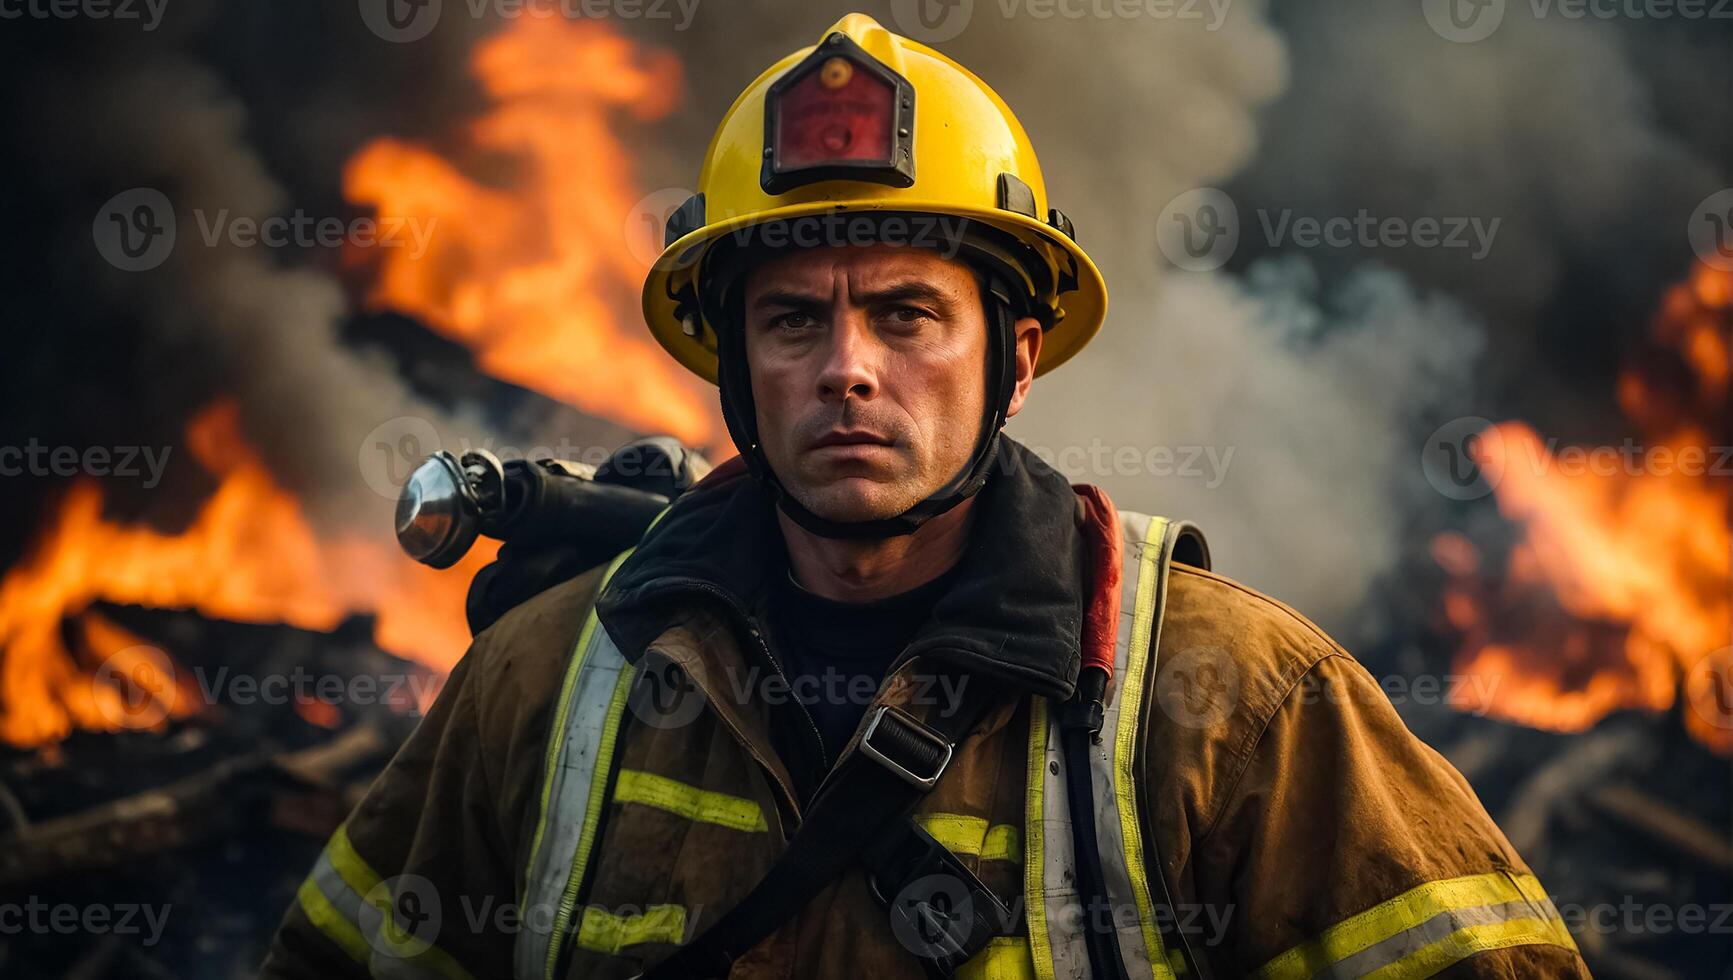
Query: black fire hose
[556,519]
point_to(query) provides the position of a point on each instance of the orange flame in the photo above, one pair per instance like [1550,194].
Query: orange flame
[534,276]
[1620,593]
[249,555]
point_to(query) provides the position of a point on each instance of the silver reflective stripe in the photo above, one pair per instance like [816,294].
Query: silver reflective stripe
[1438,929]
[581,731]
[336,890]
[1056,942]
[369,920]
[1118,835]
[1057,925]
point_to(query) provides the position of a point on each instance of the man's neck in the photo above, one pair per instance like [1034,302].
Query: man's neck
[849,570]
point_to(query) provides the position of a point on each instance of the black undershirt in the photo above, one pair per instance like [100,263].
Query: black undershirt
[836,653]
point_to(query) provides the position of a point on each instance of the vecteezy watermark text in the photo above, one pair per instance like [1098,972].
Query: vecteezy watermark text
[35,916]
[1467,21]
[1457,459]
[35,459]
[1201,229]
[147,12]
[303,230]
[1100,459]
[935,21]
[136,230]
[402,21]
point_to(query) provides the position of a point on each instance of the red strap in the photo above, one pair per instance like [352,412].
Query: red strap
[1100,528]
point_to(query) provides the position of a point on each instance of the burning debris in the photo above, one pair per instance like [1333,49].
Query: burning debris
[250,555]
[1619,594]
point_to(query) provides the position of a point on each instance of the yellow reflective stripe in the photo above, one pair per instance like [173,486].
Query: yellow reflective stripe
[331,922]
[592,813]
[1035,844]
[357,874]
[1414,908]
[1125,757]
[1004,842]
[601,931]
[964,834]
[360,878]
[701,805]
[562,707]
[1005,958]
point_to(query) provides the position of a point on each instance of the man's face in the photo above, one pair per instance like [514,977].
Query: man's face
[869,373]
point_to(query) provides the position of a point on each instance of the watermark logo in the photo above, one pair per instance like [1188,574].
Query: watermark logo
[1711,230]
[1199,688]
[393,450]
[1709,689]
[1463,21]
[665,696]
[932,21]
[400,21]
[135,229]
[400,916]
[1451,458]
[647,222]
[1199,230]
[932,916]
[134,688]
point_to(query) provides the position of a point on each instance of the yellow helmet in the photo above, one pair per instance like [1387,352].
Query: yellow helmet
[869,121]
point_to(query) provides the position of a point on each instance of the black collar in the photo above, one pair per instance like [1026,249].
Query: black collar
[1014,610]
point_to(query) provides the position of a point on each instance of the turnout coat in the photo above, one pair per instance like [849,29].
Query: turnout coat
[615,763]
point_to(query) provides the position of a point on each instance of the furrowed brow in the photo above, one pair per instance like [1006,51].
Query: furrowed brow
[904,292]
[790,300]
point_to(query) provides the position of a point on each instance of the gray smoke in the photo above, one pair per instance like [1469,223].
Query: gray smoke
[253,326]
[1562,129]
[1277,414]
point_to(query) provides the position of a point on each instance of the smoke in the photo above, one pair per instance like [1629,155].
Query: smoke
[1276,413]
[1559,128]
[246,323]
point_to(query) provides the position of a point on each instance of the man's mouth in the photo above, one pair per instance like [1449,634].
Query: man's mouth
[850,437]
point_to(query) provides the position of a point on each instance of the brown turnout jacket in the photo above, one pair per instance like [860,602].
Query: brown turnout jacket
[1301,828]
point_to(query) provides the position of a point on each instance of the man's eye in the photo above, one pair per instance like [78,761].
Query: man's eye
[909,314]
[792,321]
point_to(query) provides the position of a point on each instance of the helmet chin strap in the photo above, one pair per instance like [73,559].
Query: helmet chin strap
[741,416]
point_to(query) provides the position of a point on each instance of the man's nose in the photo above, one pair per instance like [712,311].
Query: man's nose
[850,365]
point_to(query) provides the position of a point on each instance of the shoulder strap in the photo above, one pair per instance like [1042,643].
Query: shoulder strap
[1112,834]
[897,761]
[1182,542]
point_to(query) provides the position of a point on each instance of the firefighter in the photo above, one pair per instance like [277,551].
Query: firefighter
[886,696]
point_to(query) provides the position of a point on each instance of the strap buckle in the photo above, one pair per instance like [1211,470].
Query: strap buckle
[909,749]
[939,909]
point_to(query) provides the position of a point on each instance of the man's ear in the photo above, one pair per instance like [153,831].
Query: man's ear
[1027,344]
